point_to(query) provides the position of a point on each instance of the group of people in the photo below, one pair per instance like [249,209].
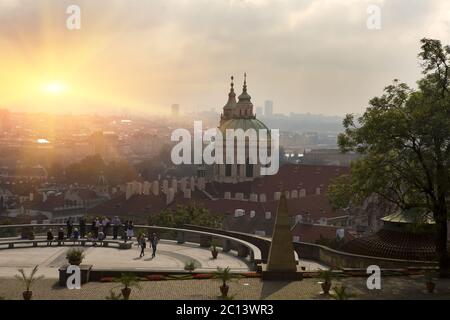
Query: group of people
[99,230]
[152,239]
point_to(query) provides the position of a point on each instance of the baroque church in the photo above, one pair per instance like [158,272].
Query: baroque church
[239,115]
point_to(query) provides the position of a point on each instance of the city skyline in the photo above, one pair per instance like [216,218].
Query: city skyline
[295,51]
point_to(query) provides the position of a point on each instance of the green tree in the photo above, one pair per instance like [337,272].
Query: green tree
[189,214]
[404,137]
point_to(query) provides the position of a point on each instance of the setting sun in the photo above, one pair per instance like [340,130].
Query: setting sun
[54,88]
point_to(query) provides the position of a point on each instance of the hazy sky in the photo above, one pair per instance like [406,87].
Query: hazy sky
[313,56]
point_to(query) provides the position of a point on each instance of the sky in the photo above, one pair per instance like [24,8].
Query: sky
[315,56]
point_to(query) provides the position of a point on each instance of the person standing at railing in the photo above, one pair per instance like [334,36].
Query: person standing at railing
[69,224]
[105,225]
[82,228]
[49,237]
[130,230]
[61,234]
[115,224]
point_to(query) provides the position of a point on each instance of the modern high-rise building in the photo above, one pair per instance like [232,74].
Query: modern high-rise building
[175,109]
[268,108]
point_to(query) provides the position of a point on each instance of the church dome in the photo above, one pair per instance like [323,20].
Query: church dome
[243,124]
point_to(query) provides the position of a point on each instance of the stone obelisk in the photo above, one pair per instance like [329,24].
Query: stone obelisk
[281,254]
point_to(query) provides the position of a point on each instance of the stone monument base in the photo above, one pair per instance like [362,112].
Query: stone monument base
[274,275]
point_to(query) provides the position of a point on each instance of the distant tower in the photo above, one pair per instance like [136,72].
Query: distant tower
[268,108]
[259,112]
[175,109]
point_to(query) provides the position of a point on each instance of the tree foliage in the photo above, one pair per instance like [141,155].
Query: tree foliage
[189,214]
[404,137]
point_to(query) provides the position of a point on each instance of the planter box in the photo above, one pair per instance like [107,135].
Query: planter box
[85,271]
[125,245]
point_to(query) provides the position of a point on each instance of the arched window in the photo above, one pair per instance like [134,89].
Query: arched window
[248,169]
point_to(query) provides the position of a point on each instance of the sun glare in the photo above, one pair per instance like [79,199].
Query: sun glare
[54,88]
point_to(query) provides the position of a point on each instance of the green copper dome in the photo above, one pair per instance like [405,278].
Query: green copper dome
[243,124]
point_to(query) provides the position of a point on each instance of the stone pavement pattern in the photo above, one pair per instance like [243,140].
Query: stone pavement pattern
[392,288]
[169,256]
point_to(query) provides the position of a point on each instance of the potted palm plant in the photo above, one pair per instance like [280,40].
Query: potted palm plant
[340,293]
[326,276]
[75,256]
[214,251]
[429,281]
[128,280]
[28,281]
[190,266]
[225,276]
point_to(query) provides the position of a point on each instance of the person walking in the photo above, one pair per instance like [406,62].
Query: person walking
[115,225]
[82,227]
[154,242]
[50,237]
[143,245]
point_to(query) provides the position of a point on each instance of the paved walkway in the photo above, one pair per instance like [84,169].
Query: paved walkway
[242,289]
[170,257]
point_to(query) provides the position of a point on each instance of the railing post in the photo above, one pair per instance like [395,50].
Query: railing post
[242,251]
[226,245]
[180,237]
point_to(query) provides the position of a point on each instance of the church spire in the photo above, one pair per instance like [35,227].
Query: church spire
[244,95]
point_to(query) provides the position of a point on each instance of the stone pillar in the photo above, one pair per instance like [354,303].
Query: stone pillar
[155,188]
[262,197]
[242,251]
[180,237]
[226,245]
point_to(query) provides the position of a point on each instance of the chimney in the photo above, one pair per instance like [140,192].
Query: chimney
[155,188]
[268,215]
[129,191]
[147,187]
[201,183]
[302,193]
[183,184]
[165,186]
[262,197]
[187,193]
[170,196]
[175,185]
